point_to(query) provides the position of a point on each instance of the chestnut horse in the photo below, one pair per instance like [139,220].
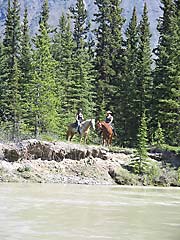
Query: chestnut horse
[84,129]
[107,132]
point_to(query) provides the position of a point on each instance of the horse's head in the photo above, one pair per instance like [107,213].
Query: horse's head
[99,125]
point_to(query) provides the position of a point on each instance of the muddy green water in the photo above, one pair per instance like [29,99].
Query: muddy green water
[60,212]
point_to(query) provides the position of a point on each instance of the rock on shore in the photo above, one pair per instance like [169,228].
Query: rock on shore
[58,162]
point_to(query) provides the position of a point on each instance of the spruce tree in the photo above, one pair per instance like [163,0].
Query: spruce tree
[144,73]
[142,144]
[158,138]
[116,22]
[79,16]
[26,51]
[82,79]
[176,90]
[45,15]
[10,76]
[42,87]
[62,50]
[144,80]
[108,63]
[4,107]
[103,63]
[26,70]
[166,77]
[128,117]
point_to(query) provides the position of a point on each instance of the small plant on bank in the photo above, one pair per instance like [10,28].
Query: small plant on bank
[158,139]
[140,163]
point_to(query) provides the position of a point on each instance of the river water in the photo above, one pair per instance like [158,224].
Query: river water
[79,212]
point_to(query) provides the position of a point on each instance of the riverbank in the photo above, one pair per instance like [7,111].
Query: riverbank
[60,162]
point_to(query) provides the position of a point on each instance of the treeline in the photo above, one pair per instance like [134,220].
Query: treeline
[44,79]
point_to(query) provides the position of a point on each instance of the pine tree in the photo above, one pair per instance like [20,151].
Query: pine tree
[42,87]
[176,89]
[62,50]
[158,138]
[26,69]
[116,22]
[11,74]
[79,16]
[26,52]
[45,15]
[128,112]
[108,53]
[15,104]
[142,144]
[3,84]
[166,77]
[6,64]
[144,73]
[103,63]
[82,80]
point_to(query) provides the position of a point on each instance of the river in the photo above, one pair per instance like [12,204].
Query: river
[79,212]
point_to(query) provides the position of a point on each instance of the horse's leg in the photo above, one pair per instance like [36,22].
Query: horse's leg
[81,137]
[110,142]
[68,135]
[85,137]
[72,135]
[104,140]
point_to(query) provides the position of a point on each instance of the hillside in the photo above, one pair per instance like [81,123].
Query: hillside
[58,6]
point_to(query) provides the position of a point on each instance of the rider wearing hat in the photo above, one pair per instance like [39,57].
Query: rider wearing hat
[109,117]
[109,120]
[79,119]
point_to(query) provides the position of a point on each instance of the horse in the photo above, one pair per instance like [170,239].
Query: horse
[107,132]
[84,129]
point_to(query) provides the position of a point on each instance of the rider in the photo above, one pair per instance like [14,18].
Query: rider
[79,119]
[109,120]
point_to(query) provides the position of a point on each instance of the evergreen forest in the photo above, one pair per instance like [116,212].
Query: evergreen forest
[45,78]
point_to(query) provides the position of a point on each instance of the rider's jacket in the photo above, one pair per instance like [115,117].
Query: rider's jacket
[109,119]
[79,117]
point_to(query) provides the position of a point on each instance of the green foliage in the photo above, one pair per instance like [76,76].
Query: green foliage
[108,54]
[136,85]
[144,71]
[124,177]
[79,16]
[166,104]
[42,86]
[174,149]
[62,51]
[45,15]
[74,70]
[140,164]
[158,139]
[151,173]
[26,75]
[10,71]
[82,89]
[128,116]
[142,139]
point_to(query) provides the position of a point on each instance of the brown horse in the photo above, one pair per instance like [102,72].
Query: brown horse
[107,132]
[84,129]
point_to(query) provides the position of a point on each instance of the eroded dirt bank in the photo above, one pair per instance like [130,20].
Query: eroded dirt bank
[59,162]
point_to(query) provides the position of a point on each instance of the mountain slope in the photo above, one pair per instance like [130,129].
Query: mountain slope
[58,6]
